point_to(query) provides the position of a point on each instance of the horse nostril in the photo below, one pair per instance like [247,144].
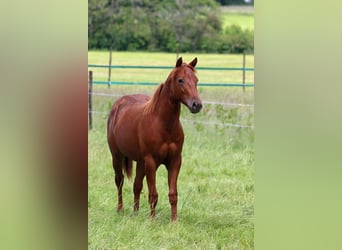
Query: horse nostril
[194,104]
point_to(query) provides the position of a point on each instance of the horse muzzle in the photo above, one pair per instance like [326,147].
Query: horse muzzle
[195,106]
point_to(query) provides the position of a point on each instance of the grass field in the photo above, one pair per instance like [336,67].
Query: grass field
[245,21]
[240,16]
[216,181]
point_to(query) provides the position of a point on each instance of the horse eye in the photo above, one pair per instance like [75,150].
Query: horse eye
[181,81]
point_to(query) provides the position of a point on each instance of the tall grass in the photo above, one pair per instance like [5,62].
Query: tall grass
[215,184]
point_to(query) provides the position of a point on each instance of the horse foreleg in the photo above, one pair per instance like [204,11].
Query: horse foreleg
[138,184]
[150,171]
[173,170]
[119,179]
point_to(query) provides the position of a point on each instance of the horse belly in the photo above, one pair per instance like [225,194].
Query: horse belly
[128,146]
[125,134]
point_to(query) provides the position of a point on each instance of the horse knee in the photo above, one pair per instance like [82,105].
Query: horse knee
[173,198]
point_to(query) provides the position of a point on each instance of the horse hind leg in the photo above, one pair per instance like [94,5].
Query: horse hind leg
[119,180]
[138,184]
[128,167]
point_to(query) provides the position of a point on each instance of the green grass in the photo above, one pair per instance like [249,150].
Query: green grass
[242,16]
[244,20]
[215,184]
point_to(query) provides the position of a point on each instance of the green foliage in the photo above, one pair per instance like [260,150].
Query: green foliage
[161,26]
[236,40]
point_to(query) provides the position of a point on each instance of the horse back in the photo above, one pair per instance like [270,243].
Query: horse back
[127,103]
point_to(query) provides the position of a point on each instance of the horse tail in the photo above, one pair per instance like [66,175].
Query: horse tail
[128,167]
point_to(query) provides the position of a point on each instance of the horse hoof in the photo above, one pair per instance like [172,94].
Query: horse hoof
[119,208]
[174,219]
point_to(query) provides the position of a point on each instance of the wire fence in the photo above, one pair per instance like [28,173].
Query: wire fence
[224,124]
[204,102]
[243,84]
[213,123]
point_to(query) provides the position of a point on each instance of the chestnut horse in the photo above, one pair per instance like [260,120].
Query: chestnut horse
[148,131]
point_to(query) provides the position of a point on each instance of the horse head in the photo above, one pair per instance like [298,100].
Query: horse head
[184,85]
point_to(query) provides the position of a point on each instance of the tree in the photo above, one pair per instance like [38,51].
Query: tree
[142,24]
[163,25]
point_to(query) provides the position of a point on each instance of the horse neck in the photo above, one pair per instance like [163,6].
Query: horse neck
[164,106]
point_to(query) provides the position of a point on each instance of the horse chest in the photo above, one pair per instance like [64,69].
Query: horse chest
[167,150]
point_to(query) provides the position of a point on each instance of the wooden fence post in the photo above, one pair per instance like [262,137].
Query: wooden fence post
[244,71]
[110,68]
[90,93]
[177,50]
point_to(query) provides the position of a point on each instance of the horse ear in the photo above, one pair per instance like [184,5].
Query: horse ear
[193,62]
[179,62]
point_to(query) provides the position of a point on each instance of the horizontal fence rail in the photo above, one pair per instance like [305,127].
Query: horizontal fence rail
[164,67]
[205,84]
[199,84]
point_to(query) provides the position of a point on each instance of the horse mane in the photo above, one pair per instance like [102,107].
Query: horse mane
[154,100]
